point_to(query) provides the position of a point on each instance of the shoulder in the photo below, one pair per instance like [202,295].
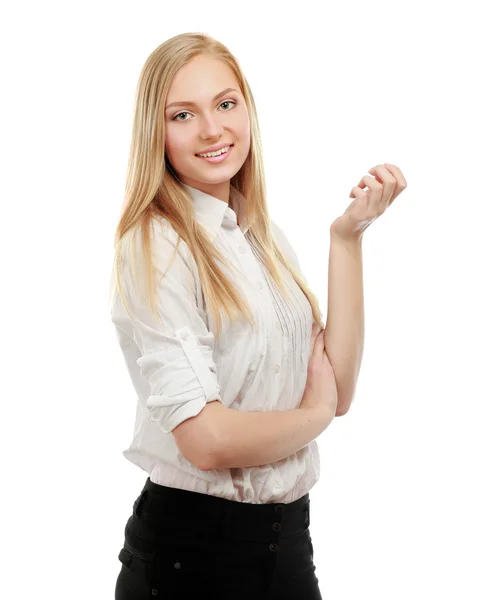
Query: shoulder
[165,244]
[284,243]
[278,234]
[170,262]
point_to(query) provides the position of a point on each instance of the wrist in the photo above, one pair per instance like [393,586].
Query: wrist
[352,241]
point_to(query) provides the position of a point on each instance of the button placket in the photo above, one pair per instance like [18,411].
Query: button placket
[243,249]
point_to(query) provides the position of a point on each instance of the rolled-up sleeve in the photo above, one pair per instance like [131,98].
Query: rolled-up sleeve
[176,354]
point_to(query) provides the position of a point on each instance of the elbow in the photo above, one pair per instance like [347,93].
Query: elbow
[201,455]
[208,465]
[210,458]
[203,466]
[197,437]
[207,461]
[343,407]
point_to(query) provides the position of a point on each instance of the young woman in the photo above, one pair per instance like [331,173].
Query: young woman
[223,341]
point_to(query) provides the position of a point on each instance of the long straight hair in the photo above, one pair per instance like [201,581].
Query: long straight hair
[153,191]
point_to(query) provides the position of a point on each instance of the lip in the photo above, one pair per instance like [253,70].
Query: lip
[217,159]
[214,148]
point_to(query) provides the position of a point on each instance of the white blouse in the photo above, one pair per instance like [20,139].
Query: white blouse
[178,367]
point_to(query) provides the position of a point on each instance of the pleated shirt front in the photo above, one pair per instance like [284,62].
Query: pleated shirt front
[180,365]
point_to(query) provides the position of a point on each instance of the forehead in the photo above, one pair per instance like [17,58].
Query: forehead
[200,80]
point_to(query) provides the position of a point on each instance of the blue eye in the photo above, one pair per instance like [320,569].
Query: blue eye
[186,113]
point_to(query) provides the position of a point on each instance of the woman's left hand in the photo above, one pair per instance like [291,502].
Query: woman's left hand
[387,183]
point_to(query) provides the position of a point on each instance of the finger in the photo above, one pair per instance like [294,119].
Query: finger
[399,177]
[383,176]
[319,345]
[375,188]
[397,173]
[356,192]
[317,329]
[370,182]
[314,333]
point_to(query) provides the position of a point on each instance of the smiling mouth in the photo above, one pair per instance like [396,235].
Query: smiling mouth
[229,146]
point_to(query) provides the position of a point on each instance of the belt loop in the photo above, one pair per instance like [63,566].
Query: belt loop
[308,515]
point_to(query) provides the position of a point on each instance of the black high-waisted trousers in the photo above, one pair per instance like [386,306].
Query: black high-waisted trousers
[180,545]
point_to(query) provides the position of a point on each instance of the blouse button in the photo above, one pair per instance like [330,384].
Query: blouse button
[277,484]
[242,249]
[259,285]
[277,368]
[184,336]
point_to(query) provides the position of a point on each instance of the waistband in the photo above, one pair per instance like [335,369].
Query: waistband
[179,498]
[240,520]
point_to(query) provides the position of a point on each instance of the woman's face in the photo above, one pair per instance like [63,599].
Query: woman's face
[205,121]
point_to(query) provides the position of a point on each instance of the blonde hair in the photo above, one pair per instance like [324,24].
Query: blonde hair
[153,191]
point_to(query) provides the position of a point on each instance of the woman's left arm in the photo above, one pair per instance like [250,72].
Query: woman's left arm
[344,331]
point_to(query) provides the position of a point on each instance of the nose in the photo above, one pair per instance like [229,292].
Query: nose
[211,128]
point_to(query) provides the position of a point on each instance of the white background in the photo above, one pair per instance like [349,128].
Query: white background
[405,507]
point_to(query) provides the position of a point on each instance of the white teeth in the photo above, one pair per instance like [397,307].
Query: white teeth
[222,151]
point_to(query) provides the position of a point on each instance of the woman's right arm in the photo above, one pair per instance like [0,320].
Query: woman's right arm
[247,439]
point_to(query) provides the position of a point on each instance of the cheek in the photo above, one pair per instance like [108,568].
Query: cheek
[243,127]
[171,141]
[244,136]
[177,147]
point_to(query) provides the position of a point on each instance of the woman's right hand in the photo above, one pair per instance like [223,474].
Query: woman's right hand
[320,390]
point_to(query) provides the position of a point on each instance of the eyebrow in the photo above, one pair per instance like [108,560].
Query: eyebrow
[193,103]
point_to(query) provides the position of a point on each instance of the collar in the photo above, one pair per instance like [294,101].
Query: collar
[213,213]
